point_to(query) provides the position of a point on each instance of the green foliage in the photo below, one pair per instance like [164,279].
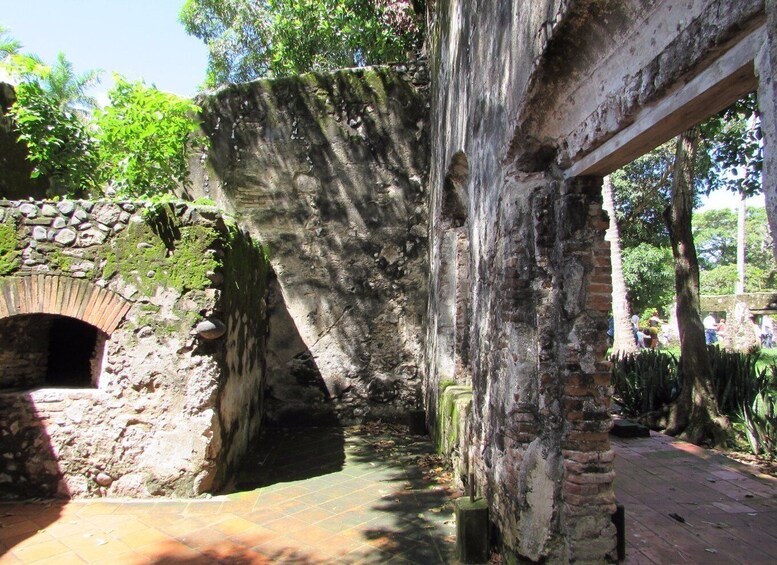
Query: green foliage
[645,381]
[748,396]
[733,377]
[57,140]
[745,389]
[641,192]
[8,45]
[735,147]
[144,135]
[715,236]
[69,89]
[249,39]
[9,241]
[649,275]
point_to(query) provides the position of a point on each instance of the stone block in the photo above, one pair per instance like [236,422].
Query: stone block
[471,530]
[627,428]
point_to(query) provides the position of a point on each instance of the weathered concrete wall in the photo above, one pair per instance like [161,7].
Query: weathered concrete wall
[520,93]
[179,299]
[766,67]
[329,171]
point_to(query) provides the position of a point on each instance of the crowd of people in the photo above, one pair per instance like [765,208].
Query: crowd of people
[650,335]
[655,331]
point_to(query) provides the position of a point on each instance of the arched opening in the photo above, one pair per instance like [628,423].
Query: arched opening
[45,350]
[72,349]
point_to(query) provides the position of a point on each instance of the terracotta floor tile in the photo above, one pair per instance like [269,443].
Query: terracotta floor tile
[141,537]
[69,558]
[286,524]
[16,529]
[170,551]
[181,527]
[255,535]
[8,558]
[95,546]
[44,550]
[202,538]
[202,508]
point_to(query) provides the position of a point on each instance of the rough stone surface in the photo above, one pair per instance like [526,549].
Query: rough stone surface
[329,171]
[519,271]
[166,413]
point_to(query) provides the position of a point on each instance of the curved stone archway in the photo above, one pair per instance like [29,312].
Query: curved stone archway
[65,296]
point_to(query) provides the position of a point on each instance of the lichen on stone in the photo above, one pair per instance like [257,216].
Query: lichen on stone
[149,259]
[9,242]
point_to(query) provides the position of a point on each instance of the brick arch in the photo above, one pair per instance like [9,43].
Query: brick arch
[65,296]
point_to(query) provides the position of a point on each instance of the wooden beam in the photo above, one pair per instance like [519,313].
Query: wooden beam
[728,79]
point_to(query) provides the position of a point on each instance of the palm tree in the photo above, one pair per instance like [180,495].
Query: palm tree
[623,339]
[68,89]
[8,45]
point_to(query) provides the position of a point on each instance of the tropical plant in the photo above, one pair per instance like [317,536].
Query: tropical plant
[8,45]
[144,137]
[759,415]
[715,234]
[249,39]
[68,88]
[58,142]
[644,381]
[649,276]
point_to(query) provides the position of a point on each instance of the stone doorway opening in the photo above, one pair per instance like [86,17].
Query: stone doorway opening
[49,351]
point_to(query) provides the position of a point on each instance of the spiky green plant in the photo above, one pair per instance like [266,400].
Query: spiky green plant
[645,381]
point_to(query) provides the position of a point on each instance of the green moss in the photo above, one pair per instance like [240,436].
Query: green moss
[178,257]
[454,400]
[60,261]
[9,242]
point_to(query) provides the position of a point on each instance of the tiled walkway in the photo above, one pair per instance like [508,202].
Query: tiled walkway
[345,497]
[685,504]
[311,497]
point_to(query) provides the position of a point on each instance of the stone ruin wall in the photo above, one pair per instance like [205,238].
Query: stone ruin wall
[520,93]
[174,406]
[329,172]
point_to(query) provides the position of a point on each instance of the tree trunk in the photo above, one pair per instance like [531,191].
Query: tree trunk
[741,216]
[694,415]
[623,339]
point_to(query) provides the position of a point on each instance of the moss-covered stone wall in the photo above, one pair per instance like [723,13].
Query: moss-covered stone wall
[179,378]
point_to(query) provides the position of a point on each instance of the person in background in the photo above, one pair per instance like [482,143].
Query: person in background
[721,330]
[710,329]
[767,332]
[635,329]
[654,326]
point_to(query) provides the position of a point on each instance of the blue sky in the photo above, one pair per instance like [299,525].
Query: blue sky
[135,38]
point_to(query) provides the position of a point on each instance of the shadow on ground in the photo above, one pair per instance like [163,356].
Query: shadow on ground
[368,494]
[283,455]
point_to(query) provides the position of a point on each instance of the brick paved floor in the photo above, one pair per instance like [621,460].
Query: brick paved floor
[342,497]
[685,504]
[307,496]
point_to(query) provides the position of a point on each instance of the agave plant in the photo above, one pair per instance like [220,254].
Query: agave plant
[758,413]
[645,381]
